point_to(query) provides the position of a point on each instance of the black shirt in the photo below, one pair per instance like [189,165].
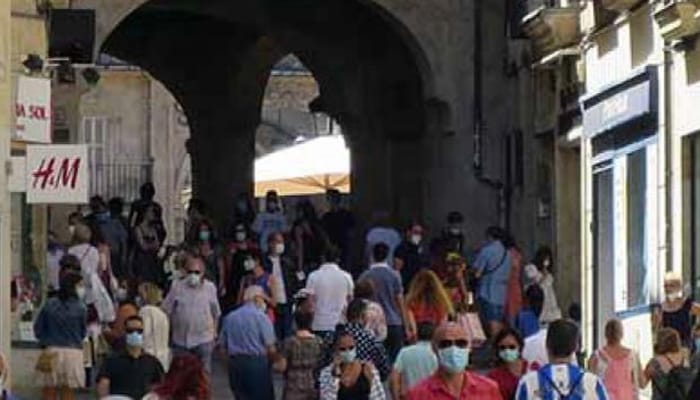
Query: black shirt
[414,259]
[338,224]
[129,376]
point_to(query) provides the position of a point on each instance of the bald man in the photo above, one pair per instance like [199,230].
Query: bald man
[193,308]
[452,381]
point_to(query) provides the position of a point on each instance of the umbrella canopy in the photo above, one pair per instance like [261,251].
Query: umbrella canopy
[308,168]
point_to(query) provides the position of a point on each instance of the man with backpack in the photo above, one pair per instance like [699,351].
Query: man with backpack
[561,380]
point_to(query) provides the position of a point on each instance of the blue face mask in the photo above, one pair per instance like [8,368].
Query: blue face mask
[697,344]
[348,356]
[134,339]
[509,355]
[454,359]
[204,236]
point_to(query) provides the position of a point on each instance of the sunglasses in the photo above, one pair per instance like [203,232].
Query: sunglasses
[461,343]
[511,347]
[134,330]
[346,348]
[194,272]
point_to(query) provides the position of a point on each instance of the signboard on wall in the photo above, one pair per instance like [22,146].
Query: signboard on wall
[33,110]
[57,174]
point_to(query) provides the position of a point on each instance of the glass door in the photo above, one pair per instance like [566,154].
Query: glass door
[603,249]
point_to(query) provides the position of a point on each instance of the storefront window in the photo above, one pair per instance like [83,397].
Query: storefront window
[637,289]
[691,218]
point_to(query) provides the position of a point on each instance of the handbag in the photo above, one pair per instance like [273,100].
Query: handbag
[472,325]
[46,362]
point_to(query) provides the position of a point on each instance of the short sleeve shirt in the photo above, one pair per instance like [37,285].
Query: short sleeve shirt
[494,263]
[387,285]
[475,387]
[129,376]
[247,331]
[416,363]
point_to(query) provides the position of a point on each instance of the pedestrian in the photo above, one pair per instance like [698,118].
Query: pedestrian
[695,389]
[349,377]
[411,255]
[60,329]
[374,314]
[677,309]
[54,252]
[452,237]
[527,321]
[414,363]
[186,380]
[492,271]
[208,249]
[330,290]
[669,371]
[240,249]
[104,266]
[308,237]
[368,348]
[259,277]
[248,338]
[288,279]
[338,223]
[110,235]
[193,308]
[130,372]
[5,393]
[695,359]
[116,212]
[452,381]
[156,326]
[540,272]
[560,379]
[269,221]
[427,301]
[114,333]
[244,212]
[617,365]
[197,211]
[89,259]
[514,297]
[455,280]
[389,294]
[508,345]
[301,360]
[144,259]
[147,194]
[382,232]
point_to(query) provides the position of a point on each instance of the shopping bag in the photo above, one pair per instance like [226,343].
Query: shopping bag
[46,361]
[472,325]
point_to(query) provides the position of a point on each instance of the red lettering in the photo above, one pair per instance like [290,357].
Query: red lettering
[20,110]
[68,173]
[37,112]
[43,173]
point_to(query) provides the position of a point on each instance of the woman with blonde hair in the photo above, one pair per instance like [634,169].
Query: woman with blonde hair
[156,327]
[617,365]
[427,301]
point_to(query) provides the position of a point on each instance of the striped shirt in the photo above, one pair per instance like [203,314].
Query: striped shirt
[560,382]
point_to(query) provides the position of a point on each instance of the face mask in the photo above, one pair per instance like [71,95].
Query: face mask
[122,294]
[71,230]
[279,249]
[177,275]
[547,263]
[348,356]
[455,231]
[262,306]
[240,236]
[454,359]
[509,355]
[134,339]
[139,301]
[675,295]
[272,206]
[204,236]
[80,291]
[193,280]
[249,265]
[416,239]
[697,344]
[102,217]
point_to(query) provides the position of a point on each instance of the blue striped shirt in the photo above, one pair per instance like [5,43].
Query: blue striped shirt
[560,382]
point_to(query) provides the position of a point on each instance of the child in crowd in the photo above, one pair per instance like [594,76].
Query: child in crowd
[527,321]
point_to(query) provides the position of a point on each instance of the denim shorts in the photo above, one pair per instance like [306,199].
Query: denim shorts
[490,312]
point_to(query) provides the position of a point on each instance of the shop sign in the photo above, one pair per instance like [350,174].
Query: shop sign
[628,101]
[57,174]
[33,110]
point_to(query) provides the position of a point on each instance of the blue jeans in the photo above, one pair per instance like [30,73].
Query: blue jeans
[489,312]
[250,378]
[203,351]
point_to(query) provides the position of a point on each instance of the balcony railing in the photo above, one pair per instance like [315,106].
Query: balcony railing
[120,179]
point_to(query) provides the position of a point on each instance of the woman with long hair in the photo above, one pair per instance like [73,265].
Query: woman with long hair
[156,326]
[427,301]
[61,327]
[145,262]
[308,237]
[186,380]
[508,345]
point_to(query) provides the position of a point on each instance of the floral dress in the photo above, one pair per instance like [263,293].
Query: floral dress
[303,357]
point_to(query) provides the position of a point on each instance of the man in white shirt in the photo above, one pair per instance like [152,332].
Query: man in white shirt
[331,289]
[535,349]
[288,281]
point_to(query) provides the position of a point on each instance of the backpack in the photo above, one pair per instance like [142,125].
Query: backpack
[678,382]
[574,393]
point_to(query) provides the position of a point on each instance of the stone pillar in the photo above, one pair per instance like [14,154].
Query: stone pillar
[5,129]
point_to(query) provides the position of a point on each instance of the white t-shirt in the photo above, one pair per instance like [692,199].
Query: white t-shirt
[535,349]
[331,288]
[279,291]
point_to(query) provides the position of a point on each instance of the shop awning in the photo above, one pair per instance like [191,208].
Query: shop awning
[307,168]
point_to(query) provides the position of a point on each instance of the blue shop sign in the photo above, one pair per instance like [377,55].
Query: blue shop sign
[631,102]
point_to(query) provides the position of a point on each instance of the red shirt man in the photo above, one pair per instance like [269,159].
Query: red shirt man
[451,381]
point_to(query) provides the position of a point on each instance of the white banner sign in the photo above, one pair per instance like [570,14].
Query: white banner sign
[33,110]
[57,174]
[16,181]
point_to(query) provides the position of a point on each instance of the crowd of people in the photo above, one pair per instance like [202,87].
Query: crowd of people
[413,319]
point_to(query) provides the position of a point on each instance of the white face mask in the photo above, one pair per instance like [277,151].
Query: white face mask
[249,265]
[240,236]
[71,230]
[675,295]
[80,291]
[193,280]
[279,249]
[261,305]
[416,239]
[122,294]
